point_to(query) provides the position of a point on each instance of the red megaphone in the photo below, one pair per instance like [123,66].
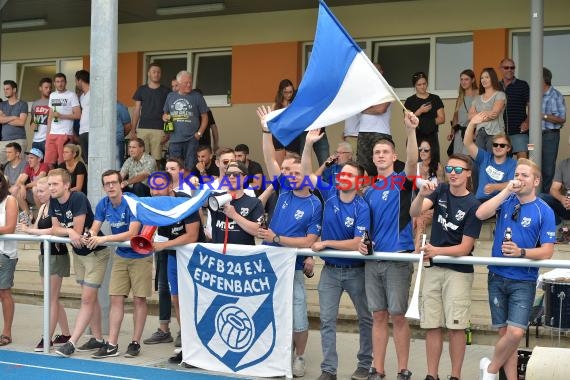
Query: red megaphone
[142,244]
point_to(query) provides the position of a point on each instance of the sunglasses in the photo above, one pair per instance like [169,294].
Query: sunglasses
[234,174]
[497,145]
[508,67]
[424,150]
[516,212]
[456,169]
[225,162]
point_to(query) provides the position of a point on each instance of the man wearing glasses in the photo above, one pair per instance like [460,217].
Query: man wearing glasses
[446,291]
[496,169]
[242,215]
[515,116]
[512,289]
[130,270]
[333,165]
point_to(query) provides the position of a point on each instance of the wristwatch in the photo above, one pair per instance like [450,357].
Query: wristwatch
[277,239]
[523,253]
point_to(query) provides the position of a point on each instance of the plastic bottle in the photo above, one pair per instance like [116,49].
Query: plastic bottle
[468,335]
[169,125]
[54,111]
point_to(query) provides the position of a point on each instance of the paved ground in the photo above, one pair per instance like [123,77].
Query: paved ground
[28,329]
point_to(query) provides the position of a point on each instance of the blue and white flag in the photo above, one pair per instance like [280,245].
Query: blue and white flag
[340,82]
[237,315]
[164,210]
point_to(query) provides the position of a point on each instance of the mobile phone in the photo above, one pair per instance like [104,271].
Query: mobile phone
[427,104]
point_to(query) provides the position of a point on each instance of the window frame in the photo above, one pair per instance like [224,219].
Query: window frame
[564,90]
[222,100]
[405,92]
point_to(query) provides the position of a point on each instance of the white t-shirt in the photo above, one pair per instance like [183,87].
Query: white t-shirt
[376,123]
[84,121]
[64,103]
[351,125]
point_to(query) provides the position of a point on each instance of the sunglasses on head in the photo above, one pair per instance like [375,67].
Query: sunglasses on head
[498,145]
[424,149]
[456,169]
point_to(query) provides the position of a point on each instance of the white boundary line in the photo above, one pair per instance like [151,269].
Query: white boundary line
[69,371]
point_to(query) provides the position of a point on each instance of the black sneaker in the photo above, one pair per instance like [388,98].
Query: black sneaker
[91,345]
[176,359]
[40,346]
[404,375]
[107,351]
[66,350]
[133,350]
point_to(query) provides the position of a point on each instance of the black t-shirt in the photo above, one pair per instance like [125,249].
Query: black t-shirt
[427,126]
[453,217]
[152,103]
[77,204]
[179,228]
[248,207]
[212,171]
[56,248]
[79,169]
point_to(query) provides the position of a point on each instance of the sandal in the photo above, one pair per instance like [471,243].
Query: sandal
[5,340]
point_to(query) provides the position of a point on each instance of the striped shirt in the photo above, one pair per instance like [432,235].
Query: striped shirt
[518,94]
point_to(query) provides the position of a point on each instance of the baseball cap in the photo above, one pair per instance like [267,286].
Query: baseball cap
[36,152]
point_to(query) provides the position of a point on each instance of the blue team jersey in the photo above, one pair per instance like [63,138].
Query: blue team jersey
[119,218]
[491,172]
[532,224]
[296,217]
[343,221]
[390,199]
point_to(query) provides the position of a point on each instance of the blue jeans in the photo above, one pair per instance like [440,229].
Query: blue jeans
[510,301]
[550,142]
[559,211]
[331,285]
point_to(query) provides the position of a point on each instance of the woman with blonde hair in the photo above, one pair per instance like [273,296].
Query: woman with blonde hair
[73,163]
[467,92]
[59,267]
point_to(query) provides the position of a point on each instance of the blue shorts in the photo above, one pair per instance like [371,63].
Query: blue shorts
[172,275]
[510,301]
[300,318]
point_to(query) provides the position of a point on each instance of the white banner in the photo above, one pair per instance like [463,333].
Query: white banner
[236,309]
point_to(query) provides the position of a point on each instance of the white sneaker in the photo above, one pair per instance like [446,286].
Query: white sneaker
[299,366]
[483,374]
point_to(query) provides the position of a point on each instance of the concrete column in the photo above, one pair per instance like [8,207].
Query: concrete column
[103,112]
[535,108]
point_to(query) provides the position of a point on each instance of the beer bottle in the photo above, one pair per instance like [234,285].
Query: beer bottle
[54,111]
[508,235]
[169,125]
[263,221]
[468,335]
[330,162]
[366,241]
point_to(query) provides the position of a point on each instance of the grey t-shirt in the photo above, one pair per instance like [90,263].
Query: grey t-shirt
[10,132]
[12,173]
[152,101]
[492,127]
[185,111]
[562,173]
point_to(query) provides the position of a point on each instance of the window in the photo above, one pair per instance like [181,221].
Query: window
[211,70]
[441,57]
[554,56]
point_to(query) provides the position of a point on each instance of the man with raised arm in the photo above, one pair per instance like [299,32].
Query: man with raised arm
[388,282]
[346,217]
[512,289]
[296,223]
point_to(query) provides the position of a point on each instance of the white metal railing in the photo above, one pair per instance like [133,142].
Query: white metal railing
[388,256]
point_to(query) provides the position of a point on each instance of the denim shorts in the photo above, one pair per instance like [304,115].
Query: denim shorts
[7,269]
[510,301]
[300,318]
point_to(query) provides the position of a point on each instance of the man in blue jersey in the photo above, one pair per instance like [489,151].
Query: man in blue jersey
[388,282]
[446,291]
[496,169]
[512,289]
[296,223]
[130,270]
[345,217]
